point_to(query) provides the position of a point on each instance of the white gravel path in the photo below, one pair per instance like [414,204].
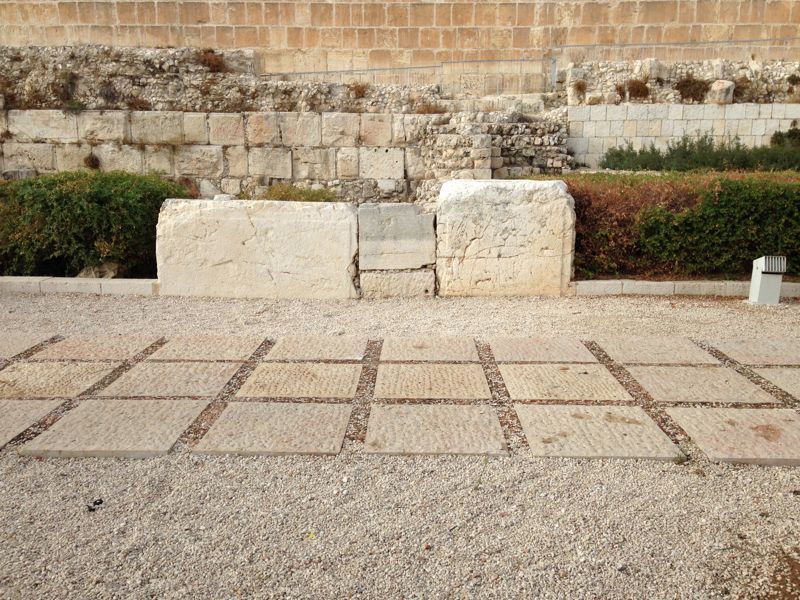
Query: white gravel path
[388,527]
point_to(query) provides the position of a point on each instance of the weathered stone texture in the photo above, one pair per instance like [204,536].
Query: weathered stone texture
[270,162]
[340,129]
[226,129]
[381,163]
[395,236]
[157,127]
[397,284]
[42,126]
[105,126]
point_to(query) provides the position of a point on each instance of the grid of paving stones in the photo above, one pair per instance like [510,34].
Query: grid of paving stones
[623,397]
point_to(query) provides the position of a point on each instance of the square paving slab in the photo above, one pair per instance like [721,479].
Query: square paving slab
[208,347]
[252,428]
[430,348]
[129,428]
[562,382]
[434,429]
[655,350]
[594,432]
[17,415]
[51,379]
[768,436]
[302,380]
[698,384]
[318,348]
[761,351]
[440,382]
[172,379]
[97,347]
[12,344]
[540,350]
[786,379]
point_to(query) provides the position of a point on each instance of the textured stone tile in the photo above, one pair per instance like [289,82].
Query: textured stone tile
[786,379]
[129,428]
[435,382]
[761,351]
[302,380]
[655,350]
[698,384]
[743,435]
[429,348]
[540,350]
[17,415]
[561,382]
[208,347]
[52,379]
[251,428]
[594,432]
[172,379]
[98,347]
[12,344]
[434,429]
[318,348]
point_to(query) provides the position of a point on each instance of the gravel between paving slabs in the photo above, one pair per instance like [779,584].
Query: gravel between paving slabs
[355,525]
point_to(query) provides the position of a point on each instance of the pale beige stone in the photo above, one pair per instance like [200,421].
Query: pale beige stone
[698,384]
[594,432]
[540,349]
[314,163]
[381,163]
[302,380]
[786,379]
[376,129]
[655,350]
[207,347]
[236,158]
[71,157]
[270,162]
[761,351]
[51,379]
[114,157]
[398,284]
[43,125]
[17,415]
[562,382]
[22,283]
[157,127]
[12,343]
[226,129]
[158,159]
[300,129]
[172,379]
[98,347]
[262,129]
[20,156]
[103,125]
[195,128]
[257,428]
[429,348]
[199,161]
[118,428]
[125,287]
[347,163]
[438,429]
[504,238]
[743,435]
[71,285]
[394,236]
[340,129]
[318,348]
[432,381]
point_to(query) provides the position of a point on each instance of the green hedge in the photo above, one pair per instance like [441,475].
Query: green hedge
[59,224]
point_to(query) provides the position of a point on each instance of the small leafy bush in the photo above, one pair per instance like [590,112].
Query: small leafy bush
[212,61]
[283,191]
[637,89]
[692,89]
[59,224]
[789,138]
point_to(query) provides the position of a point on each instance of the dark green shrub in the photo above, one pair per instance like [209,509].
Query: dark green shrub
[790,138]
[58,224]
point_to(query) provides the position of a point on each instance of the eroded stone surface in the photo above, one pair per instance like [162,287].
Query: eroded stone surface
[397,284]
[786,379]
[208,347]
[172,379]
[562,382]
[698,384]
[435,382]
[302,380]
[394,236]
[318,348]
[429,348]
[17,415]
[540,350]
[594,432]
[12,344]
[125,428]
[97,347]
[504,238]
[743,435]
[655,350]
[439,429]
[262,249]
[252,428]
[761,351]
[51,379]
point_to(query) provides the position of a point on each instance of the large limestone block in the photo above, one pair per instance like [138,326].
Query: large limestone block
[103,125]
[42,125]
[381,163]
[394,236]
[504,238]
[721,92]
[398,284]
[300,129]
[270,162]
[199,161]
[340,129]
[157,127]
[257,249]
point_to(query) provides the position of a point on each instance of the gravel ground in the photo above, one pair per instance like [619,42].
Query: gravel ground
[384,527]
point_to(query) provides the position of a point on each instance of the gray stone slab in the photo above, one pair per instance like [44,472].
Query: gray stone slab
[698,384]
[398,284]
[439,382]
[434,429]
[17,415]
[318,348]
[253,428]
[12,344]
[562,382]
[786,379]
[173,379]
[302,380]
[429,348]
[125,428]
[743,435]
[655,350]
[540,349]
[51,379]
[761,351]
[98,347]
[594,432]
[208,347]
[394,236]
